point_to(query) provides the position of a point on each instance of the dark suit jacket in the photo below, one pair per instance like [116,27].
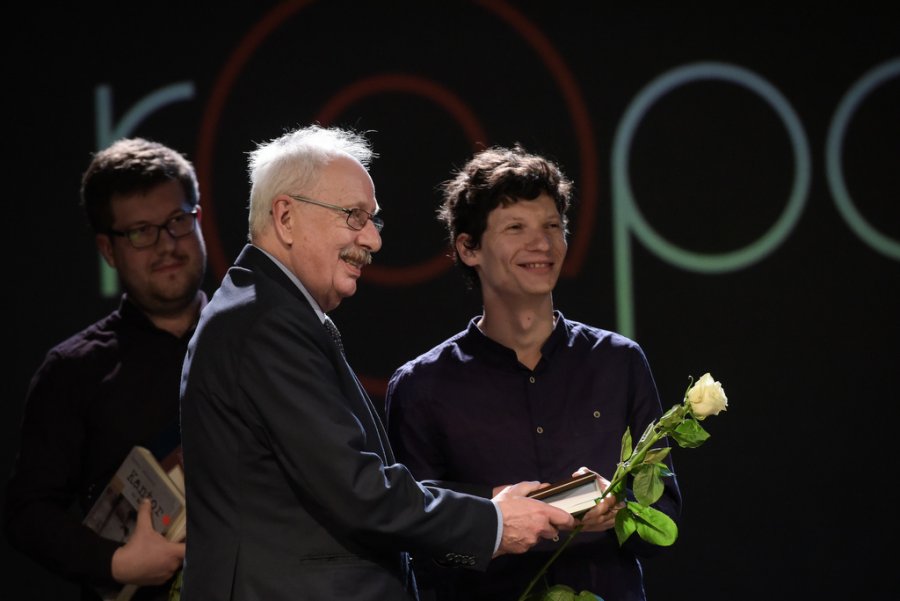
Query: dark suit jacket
[292,488]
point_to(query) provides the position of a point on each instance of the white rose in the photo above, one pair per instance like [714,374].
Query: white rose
[707,397]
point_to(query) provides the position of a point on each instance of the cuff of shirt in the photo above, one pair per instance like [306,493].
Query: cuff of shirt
[499,527]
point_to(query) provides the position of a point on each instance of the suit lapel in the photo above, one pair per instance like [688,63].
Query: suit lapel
[386,452]
[254,259]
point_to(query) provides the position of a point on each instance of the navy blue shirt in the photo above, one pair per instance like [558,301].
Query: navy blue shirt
[470,416]
[109,387]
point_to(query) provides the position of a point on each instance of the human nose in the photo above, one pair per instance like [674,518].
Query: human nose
[540,240]
[369,237]
[165,238]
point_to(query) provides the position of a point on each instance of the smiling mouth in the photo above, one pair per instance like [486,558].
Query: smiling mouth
[536,265]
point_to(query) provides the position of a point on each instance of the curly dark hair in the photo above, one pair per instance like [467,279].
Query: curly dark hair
[495,176]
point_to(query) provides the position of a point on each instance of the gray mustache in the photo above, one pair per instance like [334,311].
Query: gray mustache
[363,257]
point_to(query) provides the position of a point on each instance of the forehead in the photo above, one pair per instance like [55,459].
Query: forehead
[542,207]
[344,181]
[153,205]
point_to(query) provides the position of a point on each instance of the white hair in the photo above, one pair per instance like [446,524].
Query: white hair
[291,163]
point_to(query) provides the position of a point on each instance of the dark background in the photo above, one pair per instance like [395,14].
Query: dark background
[792,497]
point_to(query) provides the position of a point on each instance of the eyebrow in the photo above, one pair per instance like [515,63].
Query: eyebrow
[177,213]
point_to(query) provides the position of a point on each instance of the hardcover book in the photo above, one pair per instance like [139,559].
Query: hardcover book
[575,495]
[114,514]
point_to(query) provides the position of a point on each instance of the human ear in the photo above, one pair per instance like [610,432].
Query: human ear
[104,245]
[467,255]
[283,219]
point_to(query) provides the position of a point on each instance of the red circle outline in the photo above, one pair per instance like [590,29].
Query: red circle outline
[582,122]
[551,58]
[399,82]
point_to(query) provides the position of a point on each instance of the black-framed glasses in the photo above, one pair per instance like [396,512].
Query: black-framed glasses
[356,217]
[146,235]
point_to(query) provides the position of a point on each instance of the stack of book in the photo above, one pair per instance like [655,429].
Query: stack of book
[114,514]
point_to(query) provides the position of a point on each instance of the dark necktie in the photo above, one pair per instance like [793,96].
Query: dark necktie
[335,334]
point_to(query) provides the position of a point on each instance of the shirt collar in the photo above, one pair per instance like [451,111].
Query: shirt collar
[133,314]
[499,355]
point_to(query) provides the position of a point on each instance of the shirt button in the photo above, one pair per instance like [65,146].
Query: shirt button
[540,430]
[596,414]
[531,379]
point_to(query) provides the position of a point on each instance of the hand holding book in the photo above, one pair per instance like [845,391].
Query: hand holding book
[578,495]
[644,466]
[602,516]
[143,507]
[148,557]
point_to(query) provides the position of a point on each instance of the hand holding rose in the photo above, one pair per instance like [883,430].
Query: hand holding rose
[603,515]
[644,465]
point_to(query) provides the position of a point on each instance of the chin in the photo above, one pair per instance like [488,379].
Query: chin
[346,291]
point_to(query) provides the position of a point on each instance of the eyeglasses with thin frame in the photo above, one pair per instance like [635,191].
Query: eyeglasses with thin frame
[147,234]
[356,218]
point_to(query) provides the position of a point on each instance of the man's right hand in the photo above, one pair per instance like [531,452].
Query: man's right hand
[525,520]
[147,558]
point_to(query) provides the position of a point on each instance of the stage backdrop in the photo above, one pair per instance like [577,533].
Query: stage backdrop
[737,212]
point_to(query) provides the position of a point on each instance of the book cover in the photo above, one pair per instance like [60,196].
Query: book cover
[114,514]
[575,495]
[178,529]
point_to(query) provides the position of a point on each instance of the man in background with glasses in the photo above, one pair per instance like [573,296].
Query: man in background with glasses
[115,384]
[293,489]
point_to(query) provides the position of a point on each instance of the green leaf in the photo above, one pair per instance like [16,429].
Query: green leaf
[561,592]
[647,433]
[557,592]
[625,524]
[690,434]
[652,525]
[648,485]
[647,467]
[638,467]
[626,445]
[672,418]
[657,455]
